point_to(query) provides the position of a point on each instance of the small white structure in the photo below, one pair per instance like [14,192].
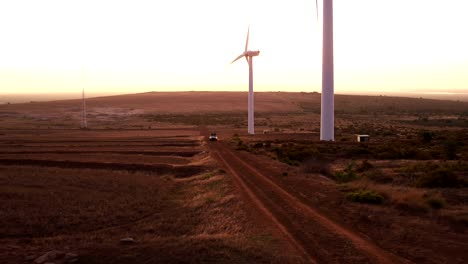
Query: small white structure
[362,138]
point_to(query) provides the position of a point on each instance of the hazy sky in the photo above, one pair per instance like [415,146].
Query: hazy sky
[137,46]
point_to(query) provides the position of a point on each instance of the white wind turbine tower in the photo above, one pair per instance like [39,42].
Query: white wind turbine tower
[84,123]
[327,118]
[248,56]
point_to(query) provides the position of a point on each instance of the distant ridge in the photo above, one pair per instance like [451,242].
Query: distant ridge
[278,102]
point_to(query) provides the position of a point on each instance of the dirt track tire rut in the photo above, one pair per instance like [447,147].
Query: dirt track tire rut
[317,238]
[146,153]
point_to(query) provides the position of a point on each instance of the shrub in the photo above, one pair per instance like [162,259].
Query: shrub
[358,150]
[364,166]
[317,166]
[258,145]
[450,149]
[365,196]
[290,162]
[242,146]
[377,176]
[426,136]
[295,153]
[441,178]
[347,175]
[411,201]
[458,222]
[426,155]
[344,176]
[436,203]
[208,175]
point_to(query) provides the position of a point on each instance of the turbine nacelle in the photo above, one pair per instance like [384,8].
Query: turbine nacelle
[252,53]
[247,53]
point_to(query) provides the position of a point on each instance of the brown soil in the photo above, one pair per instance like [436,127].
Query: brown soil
[144,170]
[317,237]
[313,212]
[186,213]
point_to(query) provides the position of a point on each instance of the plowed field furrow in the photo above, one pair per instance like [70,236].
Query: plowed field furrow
[148,140]
[321,238]
[98,228]
[113,158]
[151,153]
[161,169]
[117,144]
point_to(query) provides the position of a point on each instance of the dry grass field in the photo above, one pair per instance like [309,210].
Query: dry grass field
[83,191]
[144,170]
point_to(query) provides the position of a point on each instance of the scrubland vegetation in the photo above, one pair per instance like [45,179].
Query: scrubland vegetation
[142,171]
[415,162]
[414,174]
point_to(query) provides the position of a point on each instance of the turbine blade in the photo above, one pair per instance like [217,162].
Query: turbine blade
[316,8]
[240,56]
[247,40]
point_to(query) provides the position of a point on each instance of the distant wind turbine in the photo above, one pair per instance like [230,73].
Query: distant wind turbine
[327,118]
[84,123]
[248,56]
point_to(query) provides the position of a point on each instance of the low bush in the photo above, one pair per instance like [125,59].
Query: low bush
[458,222]
[450,149]
[395,151]
[365,196]
[377,176]
[290,162]
[317,166]
[358,150]
[426,136]
[420,167]
[243,147]
[436,203]
[413,206]
[347,175]
[441,178]
[295,153]
[236,138]
[364,166]
[258,145]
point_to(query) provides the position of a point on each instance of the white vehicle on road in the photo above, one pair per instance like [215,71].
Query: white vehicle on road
[213,137]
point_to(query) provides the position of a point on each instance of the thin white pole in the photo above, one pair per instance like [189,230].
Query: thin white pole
[327,119]
[84,123]
[251,129]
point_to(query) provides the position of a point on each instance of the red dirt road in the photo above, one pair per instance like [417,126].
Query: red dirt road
[316,238]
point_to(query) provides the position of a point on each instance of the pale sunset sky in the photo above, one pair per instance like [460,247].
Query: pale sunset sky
[138,46]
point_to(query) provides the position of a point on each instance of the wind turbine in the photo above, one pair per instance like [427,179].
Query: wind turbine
[248,54]
[327,118]
[84,123]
